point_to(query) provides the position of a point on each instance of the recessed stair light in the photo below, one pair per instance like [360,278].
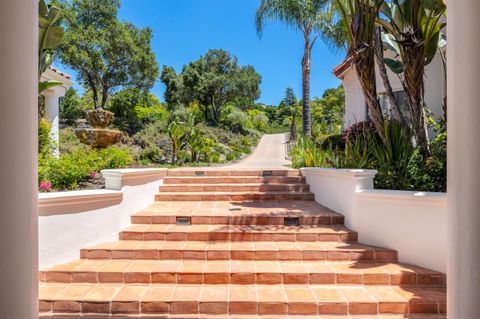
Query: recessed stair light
[184,221]
[267,173]
[291,221]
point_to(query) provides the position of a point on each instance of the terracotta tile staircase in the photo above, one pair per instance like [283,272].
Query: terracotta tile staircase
[239,244]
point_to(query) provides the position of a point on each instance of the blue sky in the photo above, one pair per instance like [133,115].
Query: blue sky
[183,30]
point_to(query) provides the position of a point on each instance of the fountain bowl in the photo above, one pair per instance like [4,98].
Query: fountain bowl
[98,137]
[99,118]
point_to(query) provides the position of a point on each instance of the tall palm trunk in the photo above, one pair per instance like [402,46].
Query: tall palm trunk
[362,50]
[414,72]
[396,111]
[293,130]
[364,62]
[174,152]
[306,69]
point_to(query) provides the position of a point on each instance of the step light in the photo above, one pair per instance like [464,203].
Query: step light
[291,221]
[199,173]
[236,209]
[184,221]
[267,173]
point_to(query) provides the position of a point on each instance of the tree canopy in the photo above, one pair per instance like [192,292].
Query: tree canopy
[105,52]
[214,80]
[328,111]
[133,109]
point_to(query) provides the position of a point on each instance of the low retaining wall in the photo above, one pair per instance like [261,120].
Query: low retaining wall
[413,223]
[69,221]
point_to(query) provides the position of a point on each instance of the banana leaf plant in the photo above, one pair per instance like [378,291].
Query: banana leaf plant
[413,29]
[360,19]
[49,37]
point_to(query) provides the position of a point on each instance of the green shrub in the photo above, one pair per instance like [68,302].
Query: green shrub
[45,142]
[391,158]
[70,169]
[399,165]
[336,141]
[155,145]
[305,153]
[430,173]
[237,121]
[258,119]
[69,141]
[152,154]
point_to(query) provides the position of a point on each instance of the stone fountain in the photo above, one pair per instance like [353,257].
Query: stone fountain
[98,136]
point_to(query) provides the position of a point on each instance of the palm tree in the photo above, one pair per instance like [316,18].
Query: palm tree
[413,30]
[307,16]
[176,133]
[360,21]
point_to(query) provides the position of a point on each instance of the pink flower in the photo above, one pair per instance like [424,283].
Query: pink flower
[93,175]
[45,185]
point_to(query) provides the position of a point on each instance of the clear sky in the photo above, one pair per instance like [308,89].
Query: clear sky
[183,30]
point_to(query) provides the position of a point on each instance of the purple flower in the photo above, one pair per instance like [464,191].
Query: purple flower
[45,185]
[93,175]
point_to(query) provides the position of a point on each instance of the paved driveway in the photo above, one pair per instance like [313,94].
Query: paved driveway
[270,152]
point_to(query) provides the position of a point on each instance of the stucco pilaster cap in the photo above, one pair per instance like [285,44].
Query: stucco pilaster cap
[117,178]
[340,172]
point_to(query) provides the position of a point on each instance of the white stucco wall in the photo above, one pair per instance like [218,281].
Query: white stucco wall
[394,79]
[355,102]
[435,86]
[413,223]
[355,105]
[70,221]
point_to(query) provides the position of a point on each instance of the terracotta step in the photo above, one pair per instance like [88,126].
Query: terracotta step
[175,188]
[241,272]
[233,196]
[238,213]
[200,172]
[61,315]
[234,180]
[241,233]
[200,250]
[239,299]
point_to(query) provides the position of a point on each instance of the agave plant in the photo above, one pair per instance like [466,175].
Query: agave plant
[50,36]
[413,30]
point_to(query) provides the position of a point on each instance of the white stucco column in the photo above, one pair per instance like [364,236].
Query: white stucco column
[52,98]
[18,159]
[463,269]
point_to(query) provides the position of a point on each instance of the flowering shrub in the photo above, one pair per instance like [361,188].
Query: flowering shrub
[45,186]
[70,169]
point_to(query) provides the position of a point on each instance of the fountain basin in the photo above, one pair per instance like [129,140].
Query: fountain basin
[98,137]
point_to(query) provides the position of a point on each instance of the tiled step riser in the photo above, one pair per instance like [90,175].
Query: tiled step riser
[155,254]
[233,197]
[235,188]
[271,308]
[236,173]
[269,278]
[240,237]
[235,180]
[239,220]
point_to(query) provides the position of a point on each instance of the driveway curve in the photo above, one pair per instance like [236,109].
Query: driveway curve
[270,153]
